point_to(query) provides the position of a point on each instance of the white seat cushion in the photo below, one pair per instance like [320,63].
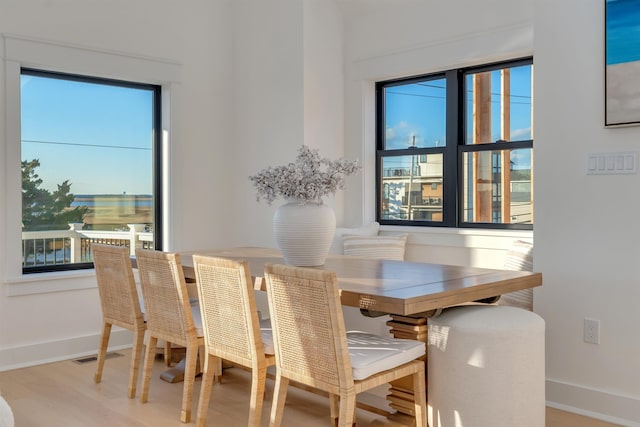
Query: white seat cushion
[267,336]
[371,354]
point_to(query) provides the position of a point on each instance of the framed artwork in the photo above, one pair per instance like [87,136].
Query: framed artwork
[622,62]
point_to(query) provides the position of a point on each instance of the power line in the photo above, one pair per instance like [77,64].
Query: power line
[470,90]
[121,147]
[444,97]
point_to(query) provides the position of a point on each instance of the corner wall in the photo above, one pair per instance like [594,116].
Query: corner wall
[586,240]
[585,243]
[57,316]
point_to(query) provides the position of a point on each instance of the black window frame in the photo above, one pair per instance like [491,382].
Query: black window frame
[158,157]
[453,151]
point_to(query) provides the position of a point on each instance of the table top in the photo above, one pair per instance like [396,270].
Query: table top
[395,287]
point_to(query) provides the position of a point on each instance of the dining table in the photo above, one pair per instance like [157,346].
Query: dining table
[403,288]
[410,292]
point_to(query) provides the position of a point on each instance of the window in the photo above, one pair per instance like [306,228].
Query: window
[91,167]
[455,148]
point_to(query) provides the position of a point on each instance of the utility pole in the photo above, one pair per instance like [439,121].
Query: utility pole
[413,145]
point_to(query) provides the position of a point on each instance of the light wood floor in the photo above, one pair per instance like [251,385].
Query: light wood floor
[63,394]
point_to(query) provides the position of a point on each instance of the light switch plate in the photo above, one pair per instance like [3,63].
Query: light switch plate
[620,163]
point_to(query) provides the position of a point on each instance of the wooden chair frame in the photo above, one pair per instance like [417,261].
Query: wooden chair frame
[231,329]
[168,314]
[120,306]
[311,345]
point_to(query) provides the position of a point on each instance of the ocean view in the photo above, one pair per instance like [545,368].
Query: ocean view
[112,200]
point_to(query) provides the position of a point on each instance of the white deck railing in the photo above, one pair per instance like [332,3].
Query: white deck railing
[74,245]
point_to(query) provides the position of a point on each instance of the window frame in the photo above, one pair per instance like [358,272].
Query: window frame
[453,151]
[27,52]
[157,153]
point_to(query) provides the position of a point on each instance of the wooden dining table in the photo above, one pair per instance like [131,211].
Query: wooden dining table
[401,288]
[410,292]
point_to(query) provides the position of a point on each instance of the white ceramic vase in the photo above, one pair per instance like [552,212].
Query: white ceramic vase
[304,232]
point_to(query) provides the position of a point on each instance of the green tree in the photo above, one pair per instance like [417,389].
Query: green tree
[45,210]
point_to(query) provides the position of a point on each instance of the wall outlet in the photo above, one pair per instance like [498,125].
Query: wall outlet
[592,331]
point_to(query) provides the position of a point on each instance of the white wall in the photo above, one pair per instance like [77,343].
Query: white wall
[288,92]
[38,325]
[586,237]
[585,243]
[269,104]
[288,86]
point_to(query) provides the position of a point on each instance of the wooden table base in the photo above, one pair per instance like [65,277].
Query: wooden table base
[401,392]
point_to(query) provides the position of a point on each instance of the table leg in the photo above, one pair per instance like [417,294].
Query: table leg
[174,374]
[401,393]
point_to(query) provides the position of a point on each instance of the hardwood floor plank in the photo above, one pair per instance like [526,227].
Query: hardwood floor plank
[63,394]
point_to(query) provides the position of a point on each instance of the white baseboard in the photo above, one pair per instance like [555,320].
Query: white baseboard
[54,351]
[598,404]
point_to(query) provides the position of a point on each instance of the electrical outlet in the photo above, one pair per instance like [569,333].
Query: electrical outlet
[592,331]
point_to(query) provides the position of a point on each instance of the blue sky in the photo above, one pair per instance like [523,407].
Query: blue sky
[99,137]
[418,111]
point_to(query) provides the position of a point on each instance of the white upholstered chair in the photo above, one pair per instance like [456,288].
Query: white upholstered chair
[486,367]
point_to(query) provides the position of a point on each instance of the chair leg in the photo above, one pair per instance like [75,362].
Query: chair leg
[217,368]
[148,367]
[136,357]
[333,405]
[202,355]
[420,396]
[102,351]
[347,409]
[189,380]
[167,353]
[208,377]
[258,379]
[279,397]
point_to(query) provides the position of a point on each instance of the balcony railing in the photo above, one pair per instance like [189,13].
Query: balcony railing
[74,245]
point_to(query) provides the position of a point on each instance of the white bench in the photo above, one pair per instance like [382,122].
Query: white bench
[486,367]
[6,416]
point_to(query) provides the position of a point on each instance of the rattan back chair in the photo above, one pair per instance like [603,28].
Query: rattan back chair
[120,305]
[311,345]
[231,328]
[170,316]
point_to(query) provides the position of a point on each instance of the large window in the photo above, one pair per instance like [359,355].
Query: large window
[455,148]
[90,161]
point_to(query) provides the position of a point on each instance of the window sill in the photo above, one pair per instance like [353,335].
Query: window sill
[44,283]
[473,238]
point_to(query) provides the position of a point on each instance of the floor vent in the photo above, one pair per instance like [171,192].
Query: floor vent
[95,358]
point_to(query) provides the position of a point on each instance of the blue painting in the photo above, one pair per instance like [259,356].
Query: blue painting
[622,56]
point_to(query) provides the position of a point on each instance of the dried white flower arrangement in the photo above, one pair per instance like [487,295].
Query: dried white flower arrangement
[304,179]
